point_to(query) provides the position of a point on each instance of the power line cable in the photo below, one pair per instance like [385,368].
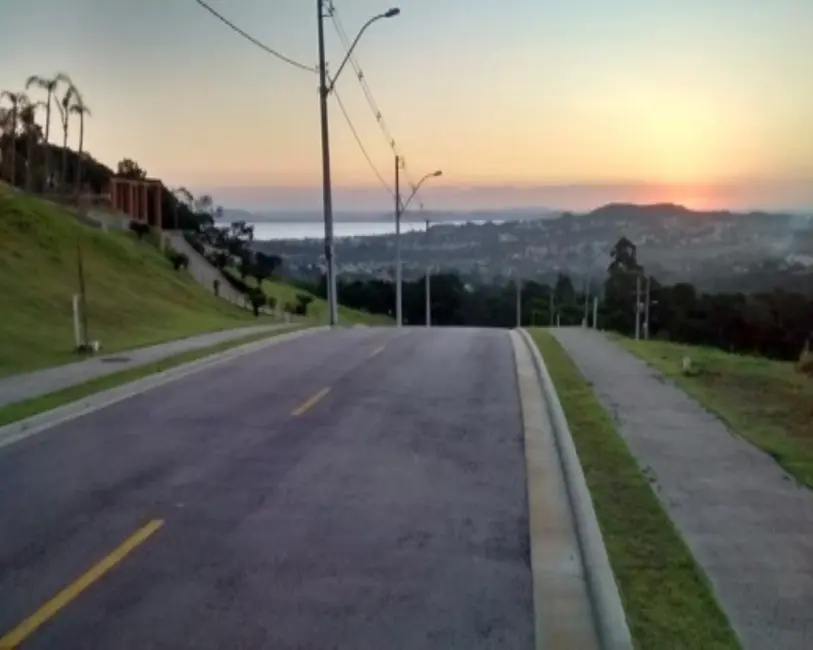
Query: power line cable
[255,41]
[368,95]
[361,145]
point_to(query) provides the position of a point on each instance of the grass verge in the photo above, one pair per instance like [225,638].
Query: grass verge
[769,403]
[134,296]
[27,408]
[667,599]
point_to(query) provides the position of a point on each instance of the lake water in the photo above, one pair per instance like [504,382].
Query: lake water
[316,230]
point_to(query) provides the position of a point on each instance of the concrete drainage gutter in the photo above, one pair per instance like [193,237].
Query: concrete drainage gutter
[608,612]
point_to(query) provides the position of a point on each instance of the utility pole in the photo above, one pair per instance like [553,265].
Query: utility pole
[398,314]
[586,301]
[83,303]
[428,281]
[519,301]
[400,208]
[551,308]
[646,317]
[595,312]
[637,307]
[327,190]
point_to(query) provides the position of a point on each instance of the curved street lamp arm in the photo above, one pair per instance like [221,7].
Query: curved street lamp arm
[416,188]
[387,14]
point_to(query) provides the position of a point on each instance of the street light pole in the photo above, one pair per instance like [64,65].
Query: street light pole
[646,313]
[428,281]
[398,315]
[400,208]
[327,190]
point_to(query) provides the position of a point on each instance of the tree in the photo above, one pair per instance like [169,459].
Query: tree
[50,86]
[258,299]
[17,101]
[624,256]
[128,168]
[5,131]
[263,266]
[64,106]
[204,204]
[565,292]
[180,194]
[78,107]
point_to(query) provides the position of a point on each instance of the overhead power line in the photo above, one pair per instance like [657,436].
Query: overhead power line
[255,41]
[368,95]
[370,162]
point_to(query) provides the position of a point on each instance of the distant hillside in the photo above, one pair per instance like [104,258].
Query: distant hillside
[673,242]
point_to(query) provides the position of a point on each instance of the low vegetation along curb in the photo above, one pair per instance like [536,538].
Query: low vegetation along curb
[668,601]
[29,407]
[767,402]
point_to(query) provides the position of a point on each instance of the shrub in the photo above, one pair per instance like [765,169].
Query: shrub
[271,302]
[257,299]
[140,228]
[178,260]
[302,302]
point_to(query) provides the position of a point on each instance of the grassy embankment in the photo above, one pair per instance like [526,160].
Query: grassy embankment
[318,309]
[135,298]
[769,403]
[668,602]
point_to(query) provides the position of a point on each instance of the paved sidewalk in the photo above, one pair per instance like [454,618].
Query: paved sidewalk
[748,524]
[16,388]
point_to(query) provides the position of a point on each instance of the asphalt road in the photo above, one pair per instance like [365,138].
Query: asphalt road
[360,489]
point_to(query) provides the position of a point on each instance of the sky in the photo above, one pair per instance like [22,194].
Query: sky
[519,102]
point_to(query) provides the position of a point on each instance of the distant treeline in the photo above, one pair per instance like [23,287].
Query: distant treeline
[775,324]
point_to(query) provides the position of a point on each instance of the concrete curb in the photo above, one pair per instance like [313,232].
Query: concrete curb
[608,611]
[35,424]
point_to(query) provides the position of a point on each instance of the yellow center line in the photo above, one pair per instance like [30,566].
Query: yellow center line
[72,591]
[376,351]
[310,402]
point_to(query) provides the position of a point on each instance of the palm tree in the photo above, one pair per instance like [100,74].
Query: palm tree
[64,105]
[17,100]
[50,86]
[33,133]
[78,107]
[5,126]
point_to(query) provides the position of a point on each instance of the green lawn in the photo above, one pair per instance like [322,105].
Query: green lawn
[135,298]
[767,402]
[668,602]
[29,407]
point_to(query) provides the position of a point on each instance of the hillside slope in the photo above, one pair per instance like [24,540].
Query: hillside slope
[134,296]
[318,309]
